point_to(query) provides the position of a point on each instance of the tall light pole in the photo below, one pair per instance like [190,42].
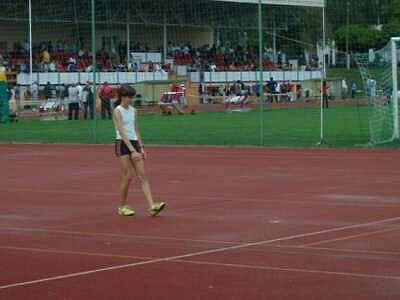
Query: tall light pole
[93,21]
[347,35]
[128,35]
[30,46]
[378,10]
[261,68]
[323,73]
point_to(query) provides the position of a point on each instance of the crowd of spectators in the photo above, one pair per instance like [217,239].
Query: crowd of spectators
[58,56]
[227,58]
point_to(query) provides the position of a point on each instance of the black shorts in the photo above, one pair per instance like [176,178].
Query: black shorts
[122,149]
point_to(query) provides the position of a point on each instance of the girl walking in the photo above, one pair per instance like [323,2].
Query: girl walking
[130,151]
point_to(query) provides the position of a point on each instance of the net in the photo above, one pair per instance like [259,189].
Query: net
[379,73]
[206,72]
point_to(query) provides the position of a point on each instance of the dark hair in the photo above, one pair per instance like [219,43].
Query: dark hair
[124,91]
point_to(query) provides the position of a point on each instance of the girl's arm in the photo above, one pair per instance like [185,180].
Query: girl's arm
[139,136]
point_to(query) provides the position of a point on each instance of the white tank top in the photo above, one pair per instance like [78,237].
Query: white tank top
[128,122]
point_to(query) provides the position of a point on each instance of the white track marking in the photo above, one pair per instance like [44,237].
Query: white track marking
[193,254]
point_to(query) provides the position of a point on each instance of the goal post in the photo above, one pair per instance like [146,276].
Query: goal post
[380,75]
[395,41]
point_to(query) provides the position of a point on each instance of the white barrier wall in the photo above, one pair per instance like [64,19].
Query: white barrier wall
[132,77]
[110,77]
[145,57]
[210,77]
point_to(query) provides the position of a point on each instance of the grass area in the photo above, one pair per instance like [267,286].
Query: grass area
[345,126]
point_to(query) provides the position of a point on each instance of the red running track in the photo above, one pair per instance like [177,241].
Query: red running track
[240,224]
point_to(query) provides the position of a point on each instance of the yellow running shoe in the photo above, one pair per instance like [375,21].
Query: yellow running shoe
[156,209]
[125,211]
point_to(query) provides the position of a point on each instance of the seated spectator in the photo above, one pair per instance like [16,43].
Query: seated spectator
[89,68]
[45,57]
[71,68]
[71,64]
[59,67]
[157,68]
[23,68]
[120,68]
[52,67]
[26,47]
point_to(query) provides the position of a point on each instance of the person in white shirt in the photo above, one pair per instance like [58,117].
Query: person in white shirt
[278,91]
[73,105]
[157,68]
[130,151]
[79,88]
[52,67]
[26,46]
[345,89]
[88,101]
[35,91]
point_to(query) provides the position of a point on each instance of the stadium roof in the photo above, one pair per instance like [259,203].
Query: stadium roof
[200,13]
[312,3]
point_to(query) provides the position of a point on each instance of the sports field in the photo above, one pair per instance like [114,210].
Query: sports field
[346,126]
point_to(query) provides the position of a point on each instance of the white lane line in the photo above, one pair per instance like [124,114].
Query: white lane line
[193,254]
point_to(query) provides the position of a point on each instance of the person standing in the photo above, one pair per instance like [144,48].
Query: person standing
[129,149]
[65,97]
[325,94]
[12,104]
[88,101]
[79,89]
[60,90]
[344,88]
[73,105]
[35,91]
[106,93]
[272,85]
[353,90]
[48,91]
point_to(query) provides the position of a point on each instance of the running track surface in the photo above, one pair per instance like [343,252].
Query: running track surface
[240,224]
